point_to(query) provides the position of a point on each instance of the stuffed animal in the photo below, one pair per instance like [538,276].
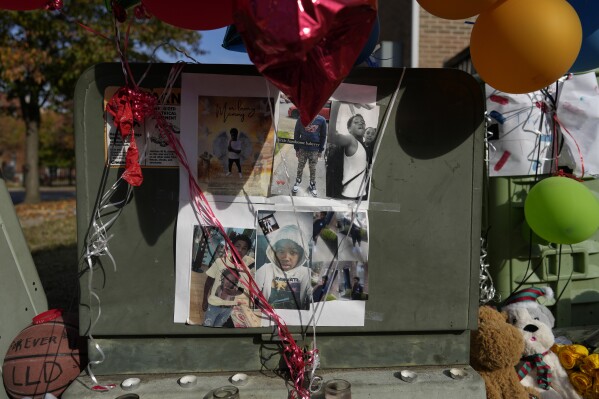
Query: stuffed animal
[539,367]
[495,349]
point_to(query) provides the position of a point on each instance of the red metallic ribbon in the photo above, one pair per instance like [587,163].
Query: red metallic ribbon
[130,105]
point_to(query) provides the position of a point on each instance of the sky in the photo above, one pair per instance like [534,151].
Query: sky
[212,42]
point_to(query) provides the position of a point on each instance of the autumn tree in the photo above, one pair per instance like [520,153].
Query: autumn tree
[57,142]
[42,54]
[11,130]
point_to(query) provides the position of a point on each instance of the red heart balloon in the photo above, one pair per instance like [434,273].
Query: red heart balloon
[305,47]
[22,5]
[192,15]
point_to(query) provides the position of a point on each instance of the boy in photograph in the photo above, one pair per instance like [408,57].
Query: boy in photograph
[219,299]
[285,280]
[355,160]
[233,151]
[311,140]
[355,147]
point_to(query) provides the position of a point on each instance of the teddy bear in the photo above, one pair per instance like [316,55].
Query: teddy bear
[495,349]
[539,367]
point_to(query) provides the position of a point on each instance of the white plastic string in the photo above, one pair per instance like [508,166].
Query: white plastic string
[117,39]
[366,178]
[96,246]
[487,291]
[284,162]
[287,180]
[172,78]
[316,381]
[541,97]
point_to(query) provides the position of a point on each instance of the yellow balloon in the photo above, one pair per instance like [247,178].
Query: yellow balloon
[455,9]
[519,46]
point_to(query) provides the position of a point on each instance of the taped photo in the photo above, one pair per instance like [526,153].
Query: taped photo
[235,145]
[299,272]
[219,295]
[328,158]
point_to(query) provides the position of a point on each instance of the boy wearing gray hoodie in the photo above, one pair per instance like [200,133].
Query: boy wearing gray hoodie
[285,281]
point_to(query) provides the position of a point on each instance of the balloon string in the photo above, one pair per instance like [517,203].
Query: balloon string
[57,6]
[313,362]
[98,238]
[555,149]
[564,128]
[96,246]
[145,104]
[333,266]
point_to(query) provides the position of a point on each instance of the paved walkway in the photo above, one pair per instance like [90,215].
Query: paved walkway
[347,252]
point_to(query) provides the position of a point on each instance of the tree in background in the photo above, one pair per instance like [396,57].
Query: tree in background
[12,132]
[43,54]
[57,143]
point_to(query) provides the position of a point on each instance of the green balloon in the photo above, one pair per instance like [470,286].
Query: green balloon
[562,210]
[530,236]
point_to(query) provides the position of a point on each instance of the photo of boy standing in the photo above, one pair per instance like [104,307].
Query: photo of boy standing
[310,141]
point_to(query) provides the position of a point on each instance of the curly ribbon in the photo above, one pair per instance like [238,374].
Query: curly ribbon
[131,104]
[562,127]
[486,290]
[54,5]
[125,107]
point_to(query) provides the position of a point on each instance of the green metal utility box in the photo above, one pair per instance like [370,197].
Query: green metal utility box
[517,263]
[425,223]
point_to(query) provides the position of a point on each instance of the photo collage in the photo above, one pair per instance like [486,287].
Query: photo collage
[297,261]
[286,197]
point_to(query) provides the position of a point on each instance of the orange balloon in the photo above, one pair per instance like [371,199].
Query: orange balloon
[455,9]
[519,46]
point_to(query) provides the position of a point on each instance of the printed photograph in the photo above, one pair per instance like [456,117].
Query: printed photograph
[268,224]
[219,295]
[235,145]
[300,150]
[339,235]
[328,157]
[339,254]
[350,148]
[342,280]
[283,260]
[311,263]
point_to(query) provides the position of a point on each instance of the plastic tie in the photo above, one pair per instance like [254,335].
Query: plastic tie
[47,316]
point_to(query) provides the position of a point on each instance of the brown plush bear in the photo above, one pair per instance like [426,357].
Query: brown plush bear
[495,350]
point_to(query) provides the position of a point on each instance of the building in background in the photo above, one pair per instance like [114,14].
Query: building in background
[412,37]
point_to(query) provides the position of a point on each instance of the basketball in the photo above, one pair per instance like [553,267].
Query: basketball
[43,358]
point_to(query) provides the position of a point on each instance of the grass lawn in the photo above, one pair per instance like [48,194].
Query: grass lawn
[285,135]
[50,231]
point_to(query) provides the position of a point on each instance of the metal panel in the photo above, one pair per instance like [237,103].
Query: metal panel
[184,354]
[424,258]
[572,271]
[21,293]
[430,383]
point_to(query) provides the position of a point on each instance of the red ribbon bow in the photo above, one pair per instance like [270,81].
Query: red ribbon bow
[128,106]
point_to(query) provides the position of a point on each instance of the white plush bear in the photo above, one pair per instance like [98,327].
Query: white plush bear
[539,367]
